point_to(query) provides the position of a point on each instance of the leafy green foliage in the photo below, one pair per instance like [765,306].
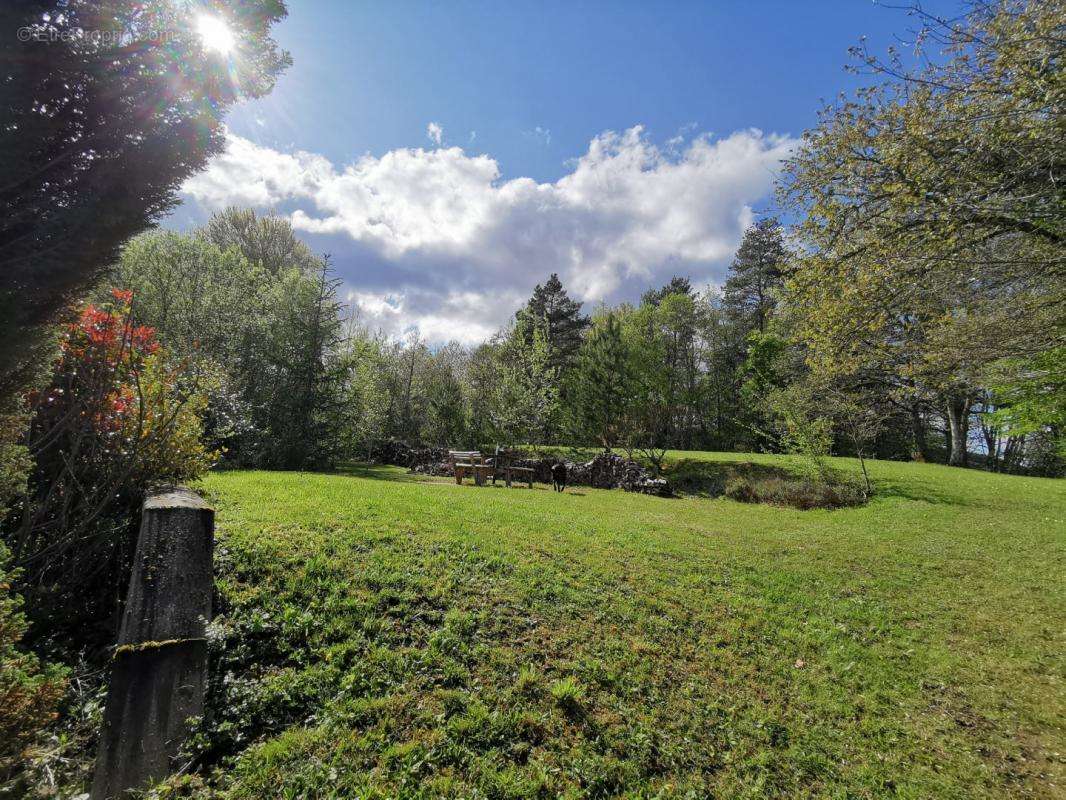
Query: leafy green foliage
[676,285]
[803,427]
[602,382]
[265,241]
[1031,397]
[29,690]
[14,457]
[99,133]
[303,415]
[567,694]
[117,417]
[524,390]
[265,335]
[930,214]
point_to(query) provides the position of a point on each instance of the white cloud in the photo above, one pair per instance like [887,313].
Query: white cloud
[436,317]
[435,133]
[439,241]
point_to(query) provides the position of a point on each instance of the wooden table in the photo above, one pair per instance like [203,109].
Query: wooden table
[472,461]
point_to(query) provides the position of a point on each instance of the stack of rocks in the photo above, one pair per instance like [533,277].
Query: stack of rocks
[605,471]
[430,460]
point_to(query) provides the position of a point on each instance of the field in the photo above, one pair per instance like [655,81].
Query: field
[391,636]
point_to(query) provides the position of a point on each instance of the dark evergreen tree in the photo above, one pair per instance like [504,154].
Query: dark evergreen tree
[304,399]
[601,383]
[559,317]
[756,272]
[676,285]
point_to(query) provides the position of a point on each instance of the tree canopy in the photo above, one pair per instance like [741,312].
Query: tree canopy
[558,316]
[930,212]
[98,133]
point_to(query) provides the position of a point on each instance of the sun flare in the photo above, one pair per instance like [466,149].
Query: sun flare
[215,34]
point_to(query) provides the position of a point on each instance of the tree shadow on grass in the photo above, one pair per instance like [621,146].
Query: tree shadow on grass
[916,491]
[385,472]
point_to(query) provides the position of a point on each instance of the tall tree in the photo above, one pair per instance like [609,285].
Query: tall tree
[931,211]
[649,424]
[756,273]
[525,391]
[269,342]
[306,414]
[446,423]
[559,317]
[366,358]
[603,383]
[99,132]
[676,285]
[267,241]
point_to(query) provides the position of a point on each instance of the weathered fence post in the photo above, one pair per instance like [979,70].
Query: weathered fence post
[160,666]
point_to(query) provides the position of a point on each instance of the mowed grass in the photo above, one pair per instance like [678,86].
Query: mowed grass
[390,636]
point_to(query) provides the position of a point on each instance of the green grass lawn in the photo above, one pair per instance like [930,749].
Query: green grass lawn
[385,635]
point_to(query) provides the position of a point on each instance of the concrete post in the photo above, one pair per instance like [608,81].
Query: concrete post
[159,670]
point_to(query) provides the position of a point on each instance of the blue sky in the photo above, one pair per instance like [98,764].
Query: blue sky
[451,154]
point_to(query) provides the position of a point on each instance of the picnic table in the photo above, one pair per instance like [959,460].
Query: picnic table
[472,462]
[504,463]
[480,467]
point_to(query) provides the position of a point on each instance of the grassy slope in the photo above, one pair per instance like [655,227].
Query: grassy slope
[406,638]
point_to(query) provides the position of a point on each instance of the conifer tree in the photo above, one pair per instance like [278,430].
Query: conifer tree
[602,383]
[676,285]
[559,317]
[99,133]
[756,273]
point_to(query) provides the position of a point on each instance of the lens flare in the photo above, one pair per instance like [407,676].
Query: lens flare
[215,34]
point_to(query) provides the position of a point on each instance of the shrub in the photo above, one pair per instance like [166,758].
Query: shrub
[29,691]
[116,418]
[802,493]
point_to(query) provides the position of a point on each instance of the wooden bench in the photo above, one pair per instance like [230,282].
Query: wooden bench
[472,462]
[504,466]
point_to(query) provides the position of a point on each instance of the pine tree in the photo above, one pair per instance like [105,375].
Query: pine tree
[676,285]
[559,317]
[304,400]
[602,383]
[757,272]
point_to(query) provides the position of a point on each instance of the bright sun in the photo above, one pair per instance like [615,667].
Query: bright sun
[215,34]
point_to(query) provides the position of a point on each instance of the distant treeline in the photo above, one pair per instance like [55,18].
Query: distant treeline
[293,378]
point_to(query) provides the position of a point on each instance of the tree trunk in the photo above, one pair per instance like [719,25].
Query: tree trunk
[921,446]
[958,419]
[992,445]
[865,474]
